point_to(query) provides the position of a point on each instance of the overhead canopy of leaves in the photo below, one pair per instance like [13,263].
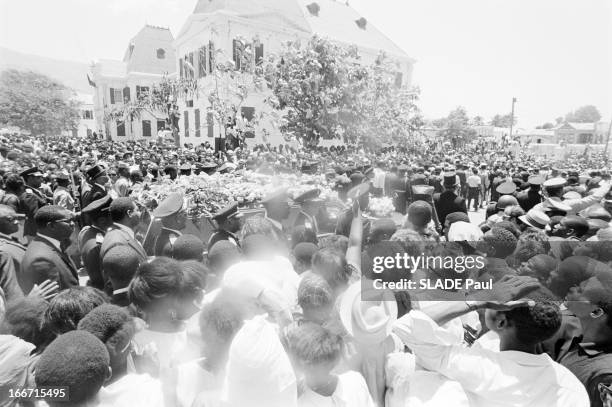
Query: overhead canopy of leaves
[455,128]
[36,103]
[584,114]
[325,91]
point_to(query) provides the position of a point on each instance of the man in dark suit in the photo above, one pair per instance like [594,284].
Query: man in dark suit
[91,237]
[448,201]
[9,244]
[531,197]
[277,209]
[228,224]
[125,216]
[31,199]
[45,258]
[97,179]
[173,218]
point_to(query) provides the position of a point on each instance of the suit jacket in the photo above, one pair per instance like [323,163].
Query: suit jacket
[120,237]
[29,202]
[8,279]
[43,261]
[448,202]
[90,242]
[12,246]
[164,242]
[93,194]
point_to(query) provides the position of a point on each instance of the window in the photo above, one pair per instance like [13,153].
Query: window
[141,90]
[89,133]
[126,94]
[189,103]
[259,53]
[186,115]
[87,114]
[120,129]
[161,125]
[398,79]
[146,128]
[189,70]
[161,53]
[210,124]
[202,68]
[181,68]
[196,122]
[116,96]
[237,51]
[247,113]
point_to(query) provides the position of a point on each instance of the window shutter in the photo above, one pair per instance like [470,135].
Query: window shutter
[138,92]
[186,115]
[192,68]
[259,54]
[236,54]
[211,56]
[146,128]
[126,94]
[398,79]
[211,125]
[181,68]
[112,96]
[202,62]
[120,129]
[196,122]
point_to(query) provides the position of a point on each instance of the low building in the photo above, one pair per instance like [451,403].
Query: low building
[87,124]
[580,133]
[536,136]
[148,58]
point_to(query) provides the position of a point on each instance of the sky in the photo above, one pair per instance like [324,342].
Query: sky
[552,55]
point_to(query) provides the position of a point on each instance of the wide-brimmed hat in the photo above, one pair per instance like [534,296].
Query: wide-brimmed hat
[536,219]
[368,322]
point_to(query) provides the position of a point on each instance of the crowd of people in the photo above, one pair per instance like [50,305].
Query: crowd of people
[271,310]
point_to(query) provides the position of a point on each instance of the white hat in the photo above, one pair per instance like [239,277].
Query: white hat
[536,219]
[368,322]
[464,231]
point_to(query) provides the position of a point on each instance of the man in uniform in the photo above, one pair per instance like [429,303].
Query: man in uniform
[98,179]
[531,197]
[277,209]
[309,208]
[228,224]
[174,219]
[91,237]
[554,191]
[32,199]
[9,224]
[61,195]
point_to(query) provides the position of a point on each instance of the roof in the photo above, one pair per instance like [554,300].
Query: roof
[578,126]
[141,54]
[111,68]
[334,20]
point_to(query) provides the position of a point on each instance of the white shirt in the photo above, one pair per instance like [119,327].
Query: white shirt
[491,379]
[474,181]
[132,390]
[379,178]
[351,391]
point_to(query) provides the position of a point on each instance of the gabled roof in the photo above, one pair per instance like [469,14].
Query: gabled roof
[141,52]
[334,20]
[577,126]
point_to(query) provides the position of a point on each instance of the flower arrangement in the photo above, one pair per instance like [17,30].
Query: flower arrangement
[381,207]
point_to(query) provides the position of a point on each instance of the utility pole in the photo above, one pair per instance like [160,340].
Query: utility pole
[607,141]
[511,119]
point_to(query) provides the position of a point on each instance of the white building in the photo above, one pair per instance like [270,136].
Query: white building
[87,123]
[149,56]
[266,24]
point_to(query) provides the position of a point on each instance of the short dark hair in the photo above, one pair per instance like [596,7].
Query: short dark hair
[120,207]
[188,247]
[77,360]
[535,324]
[332,266]
[120,264]
[314,292]
[48,214]
[311,344]
[14,182]
[223,316]
[302,234]
[421,212]
[70,306]
[158,279]
[194,277]
[111,324]
[502,242]
[24,319]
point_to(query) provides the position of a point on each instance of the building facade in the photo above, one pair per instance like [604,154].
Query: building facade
[582,133]
[149,56]
[87,124]
[218,28]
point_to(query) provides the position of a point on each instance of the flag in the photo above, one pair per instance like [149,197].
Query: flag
[91,83]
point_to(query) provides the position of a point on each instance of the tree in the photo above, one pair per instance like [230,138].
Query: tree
[584,114]
[477,121]
[455,128]
[503,120]
[324,91]
[546,126]
[36,103]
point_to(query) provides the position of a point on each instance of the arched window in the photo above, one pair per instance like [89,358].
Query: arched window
[161,53]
